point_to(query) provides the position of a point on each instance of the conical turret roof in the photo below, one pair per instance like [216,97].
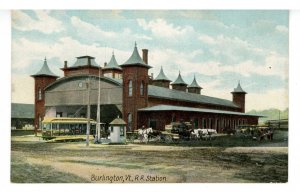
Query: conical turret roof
[162,76]
[45,71]
[238,89]
[112,64]
[179,80]
[135,59]
[194,84]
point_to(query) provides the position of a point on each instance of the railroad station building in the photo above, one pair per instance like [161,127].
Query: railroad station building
[127,90]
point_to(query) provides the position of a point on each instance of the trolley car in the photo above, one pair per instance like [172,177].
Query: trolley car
[66,129]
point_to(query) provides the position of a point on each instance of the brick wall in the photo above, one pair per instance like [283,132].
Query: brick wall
[239,99]
[180,87]
[214,121]
[165,84]
[81,71]
[194,90]
[40,82]
[131,104]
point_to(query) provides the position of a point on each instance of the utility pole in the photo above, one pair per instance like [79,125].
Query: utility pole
[88,84]
[279,120]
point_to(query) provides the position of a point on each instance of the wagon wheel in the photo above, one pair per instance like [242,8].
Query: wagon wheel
[168,138]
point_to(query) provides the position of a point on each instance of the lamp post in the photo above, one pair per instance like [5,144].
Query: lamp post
[88,84]
[279,119]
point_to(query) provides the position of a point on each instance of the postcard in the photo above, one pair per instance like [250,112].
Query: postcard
[149,96]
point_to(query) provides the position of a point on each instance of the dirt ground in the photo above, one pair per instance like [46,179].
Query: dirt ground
[35,161]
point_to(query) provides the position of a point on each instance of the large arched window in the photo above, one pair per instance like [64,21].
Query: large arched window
[142,88]
[40,94]
[130,88]
[129,120]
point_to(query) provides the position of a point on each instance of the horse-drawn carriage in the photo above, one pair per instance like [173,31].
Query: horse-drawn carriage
[174,132]
[256,132]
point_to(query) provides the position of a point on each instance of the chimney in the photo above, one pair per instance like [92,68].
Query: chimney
[145,55]
[66,64]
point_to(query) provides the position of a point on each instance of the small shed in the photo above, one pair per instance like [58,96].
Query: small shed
[118,131]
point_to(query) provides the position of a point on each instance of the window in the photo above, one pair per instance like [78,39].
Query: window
[40,122]
[108,75]
[59,114]
[173,118]
[129,119]
[203,123]
[196,123]
[142,88]
[40,94]
[153,124]
[130,88]
[122,131]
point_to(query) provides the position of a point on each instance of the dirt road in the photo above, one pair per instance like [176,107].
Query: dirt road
[34,161]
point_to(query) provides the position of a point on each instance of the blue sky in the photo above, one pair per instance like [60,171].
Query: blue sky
[218,47]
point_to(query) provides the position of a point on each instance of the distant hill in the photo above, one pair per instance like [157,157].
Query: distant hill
[271,114]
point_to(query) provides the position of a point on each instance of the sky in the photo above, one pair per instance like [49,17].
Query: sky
[220,48]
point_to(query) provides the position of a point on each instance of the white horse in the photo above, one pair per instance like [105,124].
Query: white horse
[204,133]
[143,134]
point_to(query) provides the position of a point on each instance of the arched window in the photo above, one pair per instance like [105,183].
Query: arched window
[40,122]
[40,94]
[142,88]
[129,119]
[130,88]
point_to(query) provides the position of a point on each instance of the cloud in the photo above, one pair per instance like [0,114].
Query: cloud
[22,89]
[95,32]
[282,29]
[272,64]
[43,23]
[160,28]
[271,98]
[85,28]
[27,55]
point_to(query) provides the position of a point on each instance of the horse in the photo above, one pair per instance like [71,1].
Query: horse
[143,134]
[203,133]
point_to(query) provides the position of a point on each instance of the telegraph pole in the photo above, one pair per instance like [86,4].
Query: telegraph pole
[279,119]
[88,112]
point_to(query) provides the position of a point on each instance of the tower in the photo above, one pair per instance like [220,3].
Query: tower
[135,88]
[238,97]
[112,69]
[42,79]
[84,65]
[194,87]
[179,84]
[161,80]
